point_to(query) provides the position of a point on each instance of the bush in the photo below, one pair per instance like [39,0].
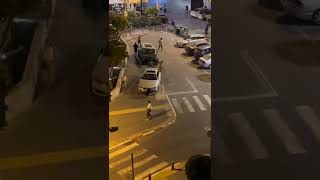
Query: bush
[118,52]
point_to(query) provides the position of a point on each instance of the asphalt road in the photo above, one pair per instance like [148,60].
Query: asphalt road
[266,94]
[65,119]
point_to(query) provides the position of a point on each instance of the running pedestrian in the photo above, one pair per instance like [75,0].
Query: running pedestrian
[149,108]
[135,46]
[160,44]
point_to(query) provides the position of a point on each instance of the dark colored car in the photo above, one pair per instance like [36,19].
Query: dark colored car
[190,48]
[146,54]
[201,51]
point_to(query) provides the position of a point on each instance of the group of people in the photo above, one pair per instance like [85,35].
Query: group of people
[135,46]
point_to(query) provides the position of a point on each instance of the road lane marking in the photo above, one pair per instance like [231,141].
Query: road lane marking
[188,104]
[242,98]
[122,150]
[289,139]
[176,105]
[207,98]
[162,174]
[199,103]
[151,170]
[192,86]
[147,133]
[52,158]
[258,72]
[247,133]
[311,119]
[120,144]
[186,92]
[136,165]
[135,155]
[134,110]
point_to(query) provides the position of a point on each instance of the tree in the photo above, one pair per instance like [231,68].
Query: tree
[120,23]
[198,167]
[152,11]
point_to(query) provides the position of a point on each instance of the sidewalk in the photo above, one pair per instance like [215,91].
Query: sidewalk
[168,174]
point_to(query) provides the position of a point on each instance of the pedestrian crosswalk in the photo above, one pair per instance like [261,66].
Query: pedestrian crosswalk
[276,123]
[145,162]
[193,103]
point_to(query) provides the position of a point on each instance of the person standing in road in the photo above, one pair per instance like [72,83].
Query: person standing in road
[135,46]
[149,108]
[139,40]
[160,44]
[187,8]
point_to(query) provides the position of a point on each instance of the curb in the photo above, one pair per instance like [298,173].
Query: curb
[147,132]
[166,172]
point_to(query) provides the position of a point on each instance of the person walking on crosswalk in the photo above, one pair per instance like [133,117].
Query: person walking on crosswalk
[149,108]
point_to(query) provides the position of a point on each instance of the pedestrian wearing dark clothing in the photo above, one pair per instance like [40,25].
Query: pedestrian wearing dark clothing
[160,44]
[149,108]
[206,30]
[139,40]
[148,92]
[187,8]
[172,22]
[135,46]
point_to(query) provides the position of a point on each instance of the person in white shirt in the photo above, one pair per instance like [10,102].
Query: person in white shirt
[149,108]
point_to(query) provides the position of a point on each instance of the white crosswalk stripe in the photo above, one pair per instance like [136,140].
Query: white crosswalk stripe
[184,104]
[125,149]
[153,169]
[246,132]
[188,104]
[311,119]
[127,158]
[278,124]
[176,105]
[207,98]
[145,162]
[199,103]
[137,164]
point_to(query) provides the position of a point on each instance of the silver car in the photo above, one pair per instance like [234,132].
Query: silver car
[303,9]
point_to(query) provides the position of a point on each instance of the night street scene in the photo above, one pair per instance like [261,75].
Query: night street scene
[160,89]
[124,89]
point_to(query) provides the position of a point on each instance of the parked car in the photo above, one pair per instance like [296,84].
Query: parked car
[191,47]
[204,14]
[303,9]
[194,13]
[201,51]
[150,80]
[192,38]
[146,54]
[182,31]
[205,61]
